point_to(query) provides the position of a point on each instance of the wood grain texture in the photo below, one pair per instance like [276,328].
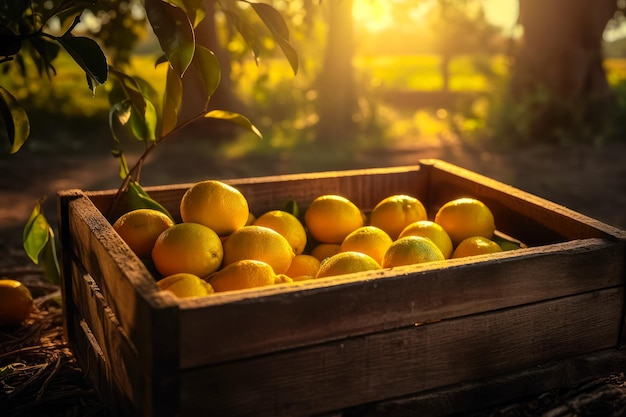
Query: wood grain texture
[351,305]
[339,374]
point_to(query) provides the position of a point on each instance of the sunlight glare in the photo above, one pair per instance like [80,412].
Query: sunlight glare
[372,15]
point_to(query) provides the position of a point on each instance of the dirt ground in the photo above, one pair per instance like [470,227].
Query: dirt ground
[590,180]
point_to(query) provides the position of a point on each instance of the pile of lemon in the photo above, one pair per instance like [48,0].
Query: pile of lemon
[221,246]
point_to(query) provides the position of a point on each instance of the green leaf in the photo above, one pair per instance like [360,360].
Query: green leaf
[49,262]
[172,99]
[250,37]
[6,370]
[119,115]
[15,120]
[124,170]
[46,52]
[276,24]
[292,207]
[138,198]
[129,89]
[36,233]
[143,126]
[208,68]
[174,31]
[87,54]
[234,118]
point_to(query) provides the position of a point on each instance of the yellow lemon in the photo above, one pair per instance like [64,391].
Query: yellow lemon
[140,229]
[187,247]
[243,274]
[465,217]
[261,244]
[369,240]
[216,205]
[330,218]
[325,250]
[303,265]
[185,285]
[411,250]
[16,302]
[346,263]
[432,231]
[287,225]
[475,245]
[394,213]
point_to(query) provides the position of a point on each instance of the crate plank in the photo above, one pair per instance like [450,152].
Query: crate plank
[336,307]
[321,378]
[533,220]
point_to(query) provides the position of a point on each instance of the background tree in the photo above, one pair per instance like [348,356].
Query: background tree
[558,80]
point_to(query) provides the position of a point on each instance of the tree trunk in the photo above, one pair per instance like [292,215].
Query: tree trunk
[337,101]
[562,48]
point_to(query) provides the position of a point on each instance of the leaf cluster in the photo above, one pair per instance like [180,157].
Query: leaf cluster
[133,115]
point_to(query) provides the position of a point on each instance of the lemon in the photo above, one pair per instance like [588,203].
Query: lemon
[346,263]
[216,205]
[140,229]
[261,244]
[330,218]
[369,240]
[16,302]
[184,285]
[325,250]
[303,265]
[432,231]
[287,225]
[394,213]
[476,245]
[411,250]
[243,274]
[465,217]
[187,247]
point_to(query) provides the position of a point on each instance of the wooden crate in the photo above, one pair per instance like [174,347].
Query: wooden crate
[429,339]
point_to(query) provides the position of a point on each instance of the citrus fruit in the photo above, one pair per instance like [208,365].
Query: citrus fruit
[261,244]
[325,250]
[16,302]
[216,205]
[411,250]
[369,240]
[303,265]
[330,218]
[140,229]
[432,231]
[475,245]
[187,247]
[287,225]
[242,274]
[346,263]
[465,217]
[184,285]
[394,213]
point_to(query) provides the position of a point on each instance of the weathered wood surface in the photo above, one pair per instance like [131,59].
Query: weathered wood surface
[345,341]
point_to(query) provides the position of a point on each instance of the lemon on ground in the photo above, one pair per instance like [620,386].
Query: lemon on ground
[140,229]
[16,302]
[330,218]
[287,225]
[432,231]
[394,213]
[411,250]
[346,263]
[187,247]
[369,240]
[242,274]
[303,265]
[216,205]
[475,245]
[185,285]
[465,217]
[261,244]
[325,250]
